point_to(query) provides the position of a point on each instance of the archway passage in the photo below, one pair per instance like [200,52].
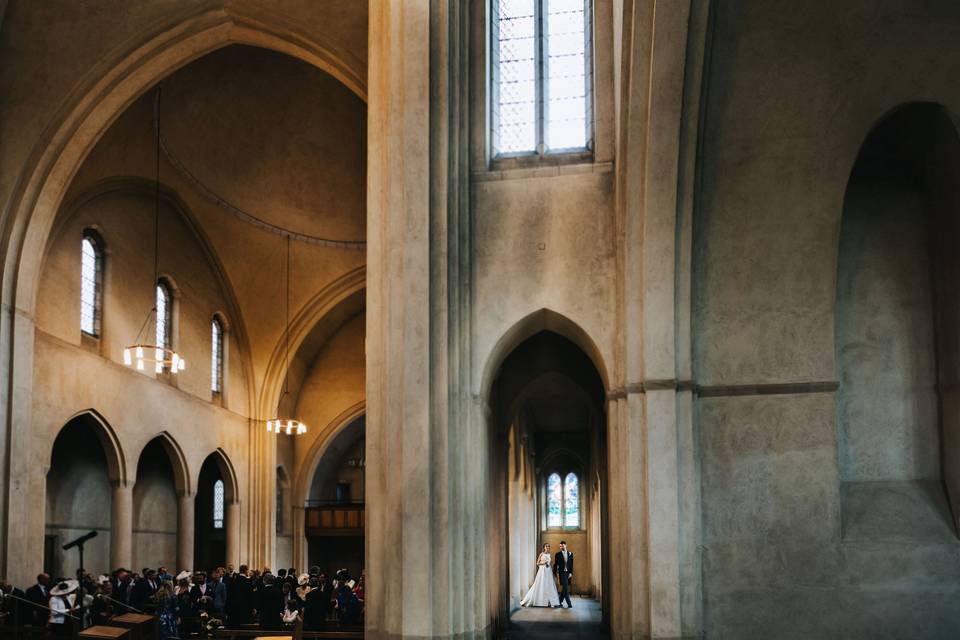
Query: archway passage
[548,452]
[210,517]
[335,507]
[79,497]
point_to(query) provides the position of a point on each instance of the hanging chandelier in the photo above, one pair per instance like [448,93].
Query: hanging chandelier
[160,355]
[288,426]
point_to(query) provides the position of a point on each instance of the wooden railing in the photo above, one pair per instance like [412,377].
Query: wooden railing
[335,519]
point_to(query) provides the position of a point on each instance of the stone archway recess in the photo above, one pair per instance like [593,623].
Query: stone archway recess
[107,90]
[301,484]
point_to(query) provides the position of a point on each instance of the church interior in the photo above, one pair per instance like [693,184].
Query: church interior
[353,306]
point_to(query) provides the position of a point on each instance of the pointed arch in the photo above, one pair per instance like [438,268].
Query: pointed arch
[231,487]
[178,461]
[304,478]
[540,320]
[116,461]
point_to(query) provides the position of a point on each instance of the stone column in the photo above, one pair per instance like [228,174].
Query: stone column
[233,534]
[121,526]
[426,487]
[185,532]
[298,527]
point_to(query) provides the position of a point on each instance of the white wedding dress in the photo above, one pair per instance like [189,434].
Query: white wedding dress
[543,593]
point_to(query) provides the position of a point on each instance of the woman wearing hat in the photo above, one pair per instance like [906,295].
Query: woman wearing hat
[63,605]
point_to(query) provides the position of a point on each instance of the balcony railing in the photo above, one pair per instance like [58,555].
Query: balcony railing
[334,518]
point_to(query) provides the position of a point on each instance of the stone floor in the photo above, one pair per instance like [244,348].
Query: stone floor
[583,621]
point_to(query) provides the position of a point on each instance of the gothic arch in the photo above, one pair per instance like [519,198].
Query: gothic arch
[116,461]
[109,88]
[540,320]
[339,294]
[178,461]
[301,486]
[231,488]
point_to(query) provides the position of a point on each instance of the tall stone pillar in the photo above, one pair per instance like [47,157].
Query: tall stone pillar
[185,532]
[233,534]
[121,526]
[426,487]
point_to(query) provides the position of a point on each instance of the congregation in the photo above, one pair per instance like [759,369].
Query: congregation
[189,604]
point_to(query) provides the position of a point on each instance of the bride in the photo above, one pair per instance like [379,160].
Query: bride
[543,593]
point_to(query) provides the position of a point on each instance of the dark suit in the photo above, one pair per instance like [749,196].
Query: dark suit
[316,608]
[142,593]
[564,567]
[270,606]
[39,596]
[240,600]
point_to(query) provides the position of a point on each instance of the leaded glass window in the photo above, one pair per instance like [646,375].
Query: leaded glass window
[540,76]
[554,501]
[91,281]
[216,356]
[164,320]
[218,504]
[571,501]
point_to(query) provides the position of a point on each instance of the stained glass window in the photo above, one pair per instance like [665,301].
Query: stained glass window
[216,356]
[163,321]
[571,501]
[540,76]
[218,504]
[554,501]
[90,285]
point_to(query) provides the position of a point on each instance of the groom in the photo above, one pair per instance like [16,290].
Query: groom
[564,566]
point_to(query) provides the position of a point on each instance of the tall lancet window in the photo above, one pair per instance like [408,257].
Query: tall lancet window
[218,504]
[571,501]
[216,356]
[164,320]
[554,501]
[91,284]
[541,99]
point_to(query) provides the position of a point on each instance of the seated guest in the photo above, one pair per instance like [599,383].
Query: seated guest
[270,604]
[291,603]
[39,594]
[63,608]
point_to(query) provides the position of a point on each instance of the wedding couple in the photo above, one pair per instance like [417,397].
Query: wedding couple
[543,593]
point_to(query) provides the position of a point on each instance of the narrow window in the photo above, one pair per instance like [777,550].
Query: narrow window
[91,284]
[571,501]
[216,356]
[554,501]
[164,322]
[540,77]
[218,504]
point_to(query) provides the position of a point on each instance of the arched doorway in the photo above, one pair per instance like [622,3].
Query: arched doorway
[210,517]
[548,455]
[79,495]
[335,503]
